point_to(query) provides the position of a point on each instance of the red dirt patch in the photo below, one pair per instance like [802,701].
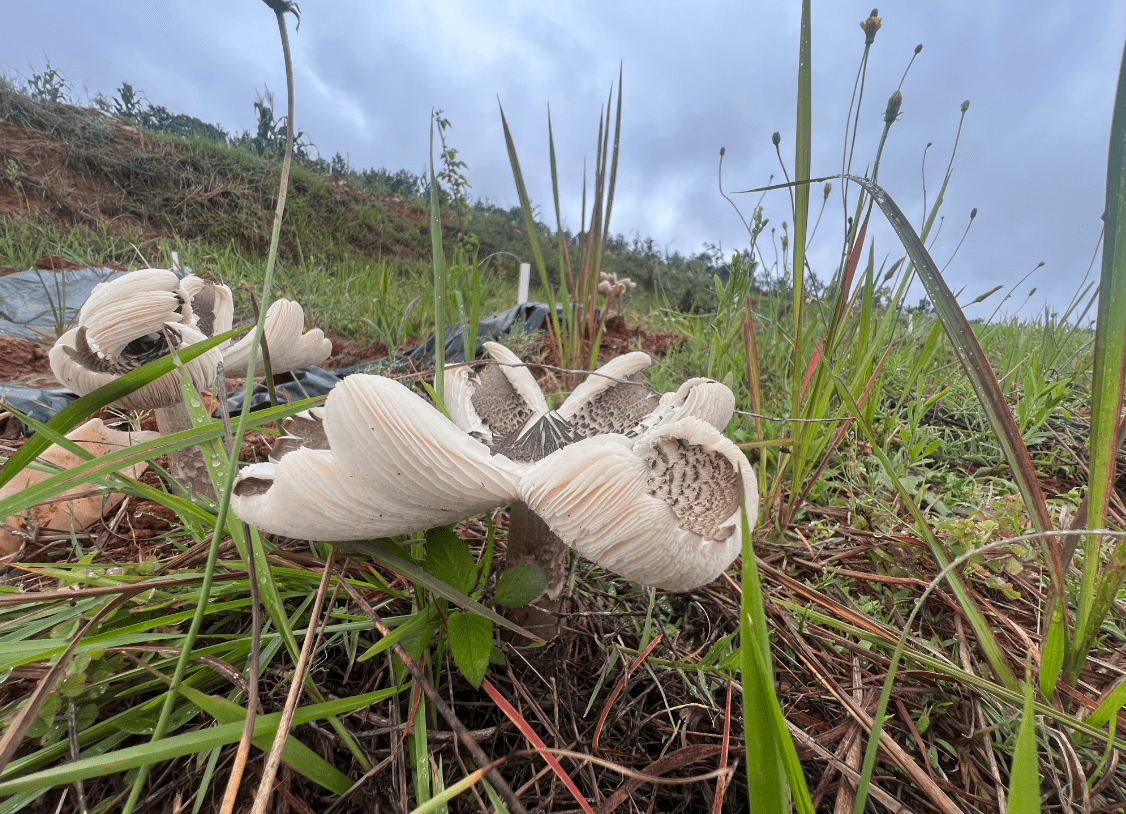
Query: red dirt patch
[346,353]
[25,362]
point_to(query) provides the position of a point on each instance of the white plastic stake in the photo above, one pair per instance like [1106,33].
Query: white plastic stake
[522,288]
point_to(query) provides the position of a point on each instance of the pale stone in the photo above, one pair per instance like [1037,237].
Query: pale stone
[82,506]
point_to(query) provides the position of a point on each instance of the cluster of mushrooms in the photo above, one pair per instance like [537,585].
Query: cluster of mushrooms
[644,484]
[136,318]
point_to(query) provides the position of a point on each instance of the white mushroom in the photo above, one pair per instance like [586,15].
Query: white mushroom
[661,507]
[289,345]
[136,318]
[496,401]
[394,464]
[132,320]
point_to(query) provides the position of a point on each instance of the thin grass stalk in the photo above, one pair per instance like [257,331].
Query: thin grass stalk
[533,233]
[802,159]
[270,770]
[566,273]
[1099,583]
[439,278]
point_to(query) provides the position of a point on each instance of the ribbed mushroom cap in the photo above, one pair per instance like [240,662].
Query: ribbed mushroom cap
[78,366]
[612,399]
[701,398]
[496,401]
[290,346]
[131,306]
[661,509]
[394,465]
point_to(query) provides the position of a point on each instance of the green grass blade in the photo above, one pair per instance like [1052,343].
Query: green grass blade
[177,746]
[765,773]
[802,160]
[299,756]
[1099,586]
[530,223]
[1024,782]
[968,350]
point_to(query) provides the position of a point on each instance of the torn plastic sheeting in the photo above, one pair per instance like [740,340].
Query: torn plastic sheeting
[34,303]
[533,316]
[313,381]
[40,403]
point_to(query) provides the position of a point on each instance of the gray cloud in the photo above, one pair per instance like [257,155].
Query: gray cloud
[1032,156]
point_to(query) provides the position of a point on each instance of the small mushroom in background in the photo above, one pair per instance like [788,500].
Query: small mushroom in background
[290,346]
[626,477]
[136,318]
[80,507]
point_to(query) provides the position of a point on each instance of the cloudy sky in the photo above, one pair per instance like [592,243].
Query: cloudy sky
[697,76]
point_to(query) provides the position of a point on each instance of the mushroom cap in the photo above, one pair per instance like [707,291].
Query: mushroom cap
[133,305]
[701,398]
[394,465]
[289,347]
[662,509]
[128,321]
[499,400]
[78,366]
[612,399]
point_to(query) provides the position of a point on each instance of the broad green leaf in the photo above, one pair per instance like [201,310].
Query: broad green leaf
[520,584]
[471,639]
[449,559]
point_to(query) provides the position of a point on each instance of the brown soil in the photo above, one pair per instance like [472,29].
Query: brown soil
[25,362]
[44,186]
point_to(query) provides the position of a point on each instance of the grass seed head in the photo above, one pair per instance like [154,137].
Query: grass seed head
[891,113]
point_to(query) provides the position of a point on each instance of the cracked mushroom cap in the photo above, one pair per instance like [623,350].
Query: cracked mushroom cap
[289,344]
[394,465]
[661,509]
[131,320]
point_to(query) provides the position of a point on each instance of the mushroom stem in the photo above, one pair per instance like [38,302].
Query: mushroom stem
[186,465]
[531,541]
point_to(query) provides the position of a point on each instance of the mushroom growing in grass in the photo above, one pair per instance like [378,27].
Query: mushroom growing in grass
[653,496]
[138,317]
